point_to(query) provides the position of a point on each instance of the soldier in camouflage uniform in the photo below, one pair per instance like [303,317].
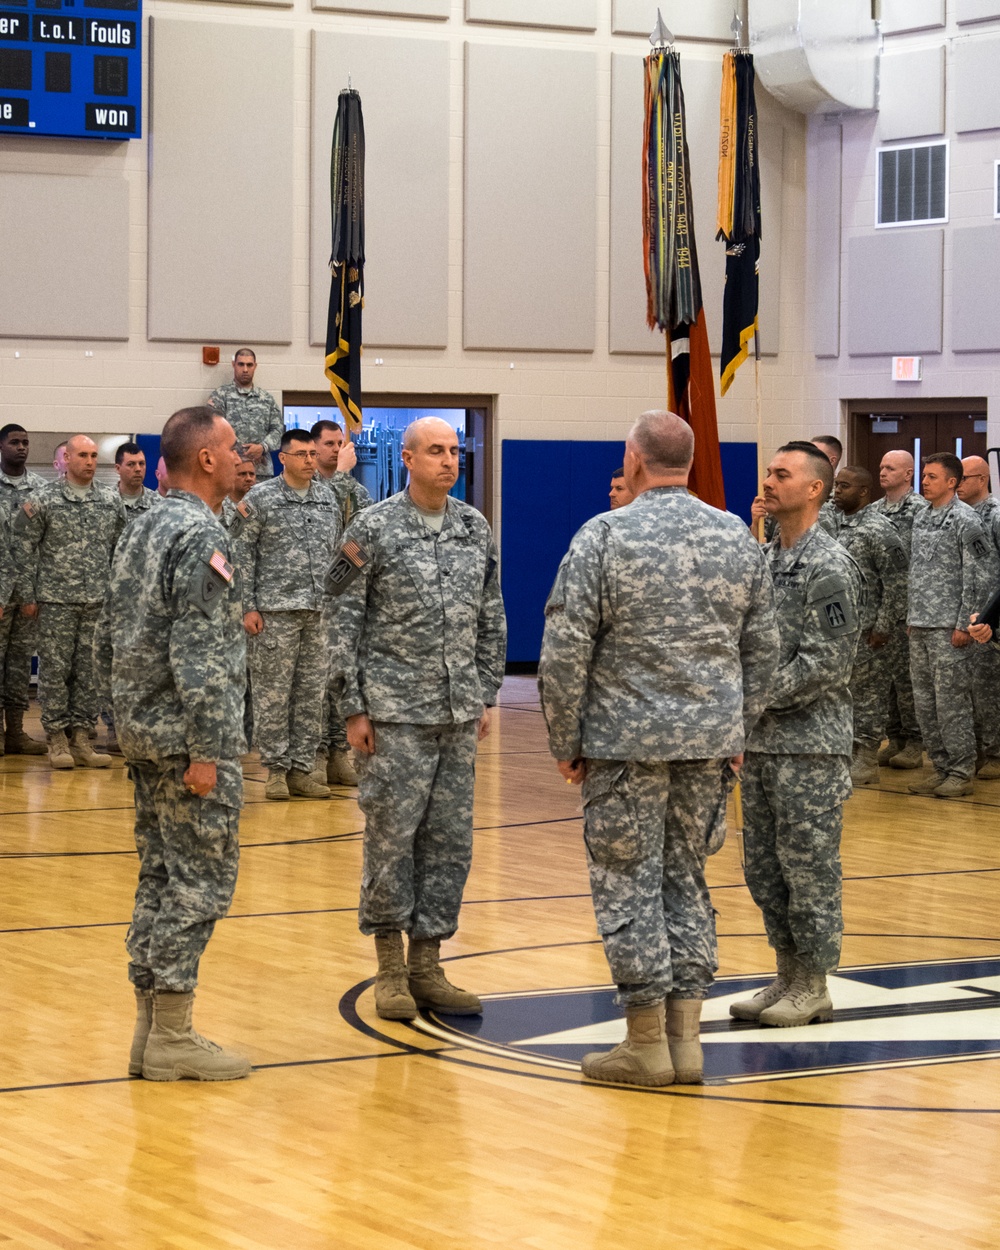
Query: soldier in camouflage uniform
[659,650]
[17,631]
[335,460]
[170,649]
[797,771]
[232,518]
[953,568]
[285,550]
[900,506]
[130,463]
[879,553]
[419,643]
[253,413]
[984,662]
[64,536]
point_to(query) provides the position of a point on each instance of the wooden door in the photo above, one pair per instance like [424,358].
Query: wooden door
[920,431]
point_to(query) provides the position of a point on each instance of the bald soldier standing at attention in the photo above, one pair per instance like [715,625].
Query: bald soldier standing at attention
[660,645]
[419,640]
[900,505]
[170,649]
[797,771]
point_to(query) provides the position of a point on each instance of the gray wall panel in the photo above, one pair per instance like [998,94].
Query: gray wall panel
[531,184]
[975,10]
[975,280]
[708,19]
[65,266]
[900,15]
[824,173]
[973,68]
[894,291]
[390,8]
[220,187]
[404,91]
[564,14]
[911,94]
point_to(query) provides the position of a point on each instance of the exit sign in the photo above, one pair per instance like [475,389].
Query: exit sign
[906,368]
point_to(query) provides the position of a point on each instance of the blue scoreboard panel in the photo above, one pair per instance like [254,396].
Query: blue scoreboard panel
[71,68]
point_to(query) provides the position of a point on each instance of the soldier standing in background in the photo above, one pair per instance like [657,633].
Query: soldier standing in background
[974,490]
[660,645]
[64,536]
[285,549]
[877,550]
[797,770]
[253,413]
[619,495]
[17,631]
[953,569]
[419,646]
[900,506]
[170,650]
[130,463]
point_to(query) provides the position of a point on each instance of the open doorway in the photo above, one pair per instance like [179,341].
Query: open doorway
[378,445]
[919,426]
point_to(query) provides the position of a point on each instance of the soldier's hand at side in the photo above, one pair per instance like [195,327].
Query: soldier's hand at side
[736,763]
[960,638]
[485,724]
[200,777]
[253,622]
[347,458]
[1,612]
[981,633]
[255,451]
[29,609]
[361,733]
[574,771]
[877,641]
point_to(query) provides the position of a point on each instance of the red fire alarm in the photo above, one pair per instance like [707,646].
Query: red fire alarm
[209,355]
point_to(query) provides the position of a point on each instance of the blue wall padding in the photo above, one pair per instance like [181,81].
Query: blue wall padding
[150,444]
[548,490]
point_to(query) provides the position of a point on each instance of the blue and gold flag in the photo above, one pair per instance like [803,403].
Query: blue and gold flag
[347,258]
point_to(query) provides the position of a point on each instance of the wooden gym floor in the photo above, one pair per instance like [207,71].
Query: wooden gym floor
[354,1133]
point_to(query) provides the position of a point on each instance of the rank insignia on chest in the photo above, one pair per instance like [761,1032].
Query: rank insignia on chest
[352,559]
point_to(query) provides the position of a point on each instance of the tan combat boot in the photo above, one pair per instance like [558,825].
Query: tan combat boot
[954,787]
[15,740]
[174,1050]
[83,753]
[911,756]
[888,751]
[750,1008]
[303,785]
[143,1023]
[340,769]
[276,787]
[430,987]
[642,1059]
[807,1002]
[929,785]
[59,752]
[989,771]
[393,1000]
[864,770]
[683,1038]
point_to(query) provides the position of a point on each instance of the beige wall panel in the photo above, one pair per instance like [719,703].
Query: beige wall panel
[911,94]
[975,279]
[706,19]
[824,178]
[390,8]
[220,183]
[530,187]
[64,273]
[564,14]
[976,11]
[702,81]
[404,91]
[773,176]
[973,70]
[894,293]
[900,15]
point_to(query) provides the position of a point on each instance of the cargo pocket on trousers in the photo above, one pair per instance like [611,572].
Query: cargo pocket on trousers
[610,818]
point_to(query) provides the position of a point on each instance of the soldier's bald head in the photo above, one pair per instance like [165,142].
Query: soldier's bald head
[425,430]
[663,441]
[79,442]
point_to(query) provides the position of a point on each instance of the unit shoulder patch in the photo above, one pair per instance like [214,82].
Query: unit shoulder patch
[207,589]
[348,565]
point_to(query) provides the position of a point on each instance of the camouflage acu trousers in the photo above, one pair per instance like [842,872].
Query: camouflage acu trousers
[288,671]
[984,665]
[416,793]
[334,737]
[942,693]
[792,820]
[869,687]
[901,721]
[646,829]
[17,646]
[66,689]
[189,851]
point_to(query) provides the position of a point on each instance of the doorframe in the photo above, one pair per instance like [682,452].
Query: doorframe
[855,408]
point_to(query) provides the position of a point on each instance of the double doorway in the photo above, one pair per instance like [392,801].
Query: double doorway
[920,427]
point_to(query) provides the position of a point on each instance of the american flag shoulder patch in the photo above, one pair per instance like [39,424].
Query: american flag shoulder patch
[355,553]
[221,566]
[243,508]
[351,559]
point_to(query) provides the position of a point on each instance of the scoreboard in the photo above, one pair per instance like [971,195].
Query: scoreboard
[71,68]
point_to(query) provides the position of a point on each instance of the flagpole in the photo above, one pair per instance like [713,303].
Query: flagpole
[759,407]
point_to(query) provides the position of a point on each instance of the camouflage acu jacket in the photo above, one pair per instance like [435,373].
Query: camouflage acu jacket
[879,553]
[255,418]
[953,567]
[63,544]
[285,546]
